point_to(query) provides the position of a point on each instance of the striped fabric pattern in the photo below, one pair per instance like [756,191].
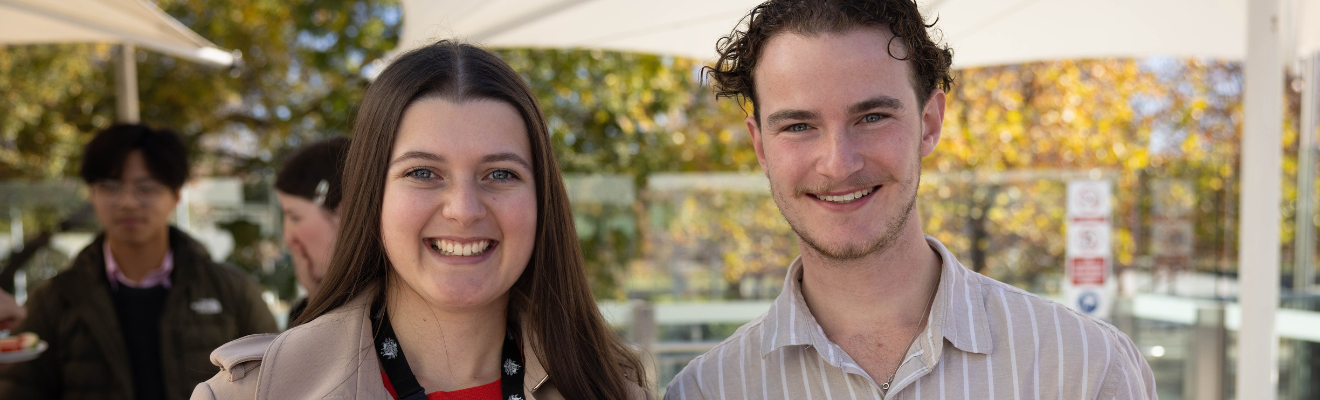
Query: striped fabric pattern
[984,340]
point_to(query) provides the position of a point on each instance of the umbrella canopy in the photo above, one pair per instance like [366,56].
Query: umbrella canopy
[114,21]
[677,27]
[1306,28]
[981,32]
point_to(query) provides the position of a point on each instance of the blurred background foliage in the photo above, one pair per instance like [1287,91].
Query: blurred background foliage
[994,187]
[1132,121]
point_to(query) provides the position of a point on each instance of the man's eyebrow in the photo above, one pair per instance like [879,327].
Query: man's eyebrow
[418,155]
[511,157]
[787,115]
[874,103]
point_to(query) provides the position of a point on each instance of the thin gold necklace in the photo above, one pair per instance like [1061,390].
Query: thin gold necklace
[924,314]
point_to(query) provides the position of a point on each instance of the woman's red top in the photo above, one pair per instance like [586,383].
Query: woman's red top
[489,391]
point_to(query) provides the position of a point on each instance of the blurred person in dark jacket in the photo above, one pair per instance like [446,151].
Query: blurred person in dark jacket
[309,191]
[139,311]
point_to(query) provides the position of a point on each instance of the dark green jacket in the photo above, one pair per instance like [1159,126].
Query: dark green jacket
[88,359]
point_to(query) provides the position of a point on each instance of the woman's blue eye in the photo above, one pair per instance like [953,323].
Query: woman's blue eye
[503,175]
[420,174]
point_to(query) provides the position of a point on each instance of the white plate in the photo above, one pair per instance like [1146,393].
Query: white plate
[23,355]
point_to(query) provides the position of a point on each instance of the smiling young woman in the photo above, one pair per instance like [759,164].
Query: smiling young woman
[456,271]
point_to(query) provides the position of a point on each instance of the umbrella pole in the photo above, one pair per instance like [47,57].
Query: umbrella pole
[1261,187]
[126,87]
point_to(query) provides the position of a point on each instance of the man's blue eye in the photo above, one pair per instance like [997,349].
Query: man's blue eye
[797,127]
[872,118]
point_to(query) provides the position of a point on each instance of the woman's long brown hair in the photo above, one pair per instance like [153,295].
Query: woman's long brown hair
[551,299]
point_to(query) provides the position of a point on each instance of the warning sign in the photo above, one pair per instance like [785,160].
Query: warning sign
[1090,232]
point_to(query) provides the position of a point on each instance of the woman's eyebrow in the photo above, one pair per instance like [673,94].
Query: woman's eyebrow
[511,157]
[418,155]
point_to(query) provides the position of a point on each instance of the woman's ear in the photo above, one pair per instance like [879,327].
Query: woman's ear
[333,216]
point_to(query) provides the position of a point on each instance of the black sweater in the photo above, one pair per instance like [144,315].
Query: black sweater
[139,313]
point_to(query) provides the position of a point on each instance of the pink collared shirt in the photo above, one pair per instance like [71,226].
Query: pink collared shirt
[157,277]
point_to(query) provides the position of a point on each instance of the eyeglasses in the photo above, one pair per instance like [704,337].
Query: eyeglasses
[146,193]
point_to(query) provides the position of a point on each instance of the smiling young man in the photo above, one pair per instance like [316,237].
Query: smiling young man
[848,97]
[137,314]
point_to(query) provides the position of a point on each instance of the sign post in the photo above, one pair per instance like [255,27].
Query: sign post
[1087,284]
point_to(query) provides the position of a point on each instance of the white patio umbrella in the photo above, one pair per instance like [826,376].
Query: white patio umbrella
[127,22]
[1265,34]
[982,32]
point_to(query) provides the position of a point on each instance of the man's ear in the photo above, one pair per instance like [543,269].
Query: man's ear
[932,122]
[754,128]
[178,196]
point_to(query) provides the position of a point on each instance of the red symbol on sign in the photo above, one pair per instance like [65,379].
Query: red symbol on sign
[1087,271]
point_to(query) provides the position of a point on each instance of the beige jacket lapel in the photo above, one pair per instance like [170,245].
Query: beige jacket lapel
[536,381]
[330,357]
[334,357]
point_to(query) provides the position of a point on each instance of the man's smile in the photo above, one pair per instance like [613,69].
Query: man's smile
[845,198]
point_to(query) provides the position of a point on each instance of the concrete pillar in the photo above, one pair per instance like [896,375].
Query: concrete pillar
[1261,187]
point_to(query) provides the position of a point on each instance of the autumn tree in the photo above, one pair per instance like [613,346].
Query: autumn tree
[1014,135]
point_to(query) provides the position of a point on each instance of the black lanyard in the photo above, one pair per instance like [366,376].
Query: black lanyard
[405,383]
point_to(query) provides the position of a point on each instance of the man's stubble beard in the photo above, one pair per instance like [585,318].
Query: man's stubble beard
[879,245]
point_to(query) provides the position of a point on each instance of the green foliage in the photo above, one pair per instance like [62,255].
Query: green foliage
[260,258]
[740,233]
[633,115]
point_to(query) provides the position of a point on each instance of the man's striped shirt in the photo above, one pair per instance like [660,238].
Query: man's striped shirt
[984,340]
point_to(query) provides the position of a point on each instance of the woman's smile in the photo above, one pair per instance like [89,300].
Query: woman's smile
[461,252]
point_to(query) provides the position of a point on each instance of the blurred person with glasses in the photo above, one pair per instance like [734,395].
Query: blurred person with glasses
[309,190]
[138,312]
[847,98]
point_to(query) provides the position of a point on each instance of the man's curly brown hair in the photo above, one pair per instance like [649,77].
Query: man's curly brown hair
[740,50]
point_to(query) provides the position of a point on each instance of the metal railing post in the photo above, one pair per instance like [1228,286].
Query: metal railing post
[643,334]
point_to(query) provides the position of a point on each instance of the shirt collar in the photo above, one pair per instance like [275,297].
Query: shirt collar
[959,306]
[156,277]
[789,322]
[958,313]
